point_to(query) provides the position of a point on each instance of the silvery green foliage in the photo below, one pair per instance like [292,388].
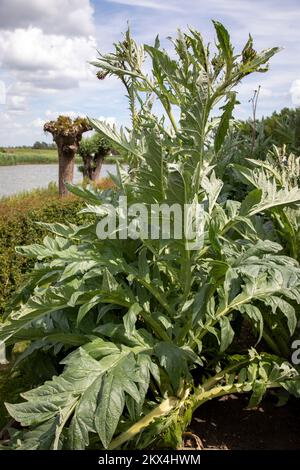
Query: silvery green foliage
[137,316]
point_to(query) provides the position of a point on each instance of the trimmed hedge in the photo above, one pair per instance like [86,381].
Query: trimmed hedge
[18,227]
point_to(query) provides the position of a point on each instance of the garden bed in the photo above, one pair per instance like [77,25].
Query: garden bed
[227,424]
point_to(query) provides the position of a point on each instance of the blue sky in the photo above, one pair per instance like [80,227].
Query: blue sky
[45,48]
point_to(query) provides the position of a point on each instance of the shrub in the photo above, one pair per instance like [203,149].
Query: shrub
[280,129]
[147,328]
[18,217]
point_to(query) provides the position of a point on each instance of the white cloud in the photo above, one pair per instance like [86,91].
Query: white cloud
[67,17]
[295,92]
[45,46]
[50,115]
[46,61]
[9,123]
[38,123]
[154,4]
[2,92]
[53,115]
[5,118]
[110,120]
[17,103]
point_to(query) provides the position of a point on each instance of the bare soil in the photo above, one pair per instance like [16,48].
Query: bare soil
[226,423]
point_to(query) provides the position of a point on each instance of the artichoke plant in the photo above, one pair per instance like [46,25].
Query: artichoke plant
[146,330]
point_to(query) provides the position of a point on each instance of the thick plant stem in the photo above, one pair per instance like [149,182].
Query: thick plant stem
[157,294]
[202,396]
[180,411]
[165,104]
[274,340]
[270,342]
[186,272]
[182,415]
[163,409]
[172,119]
[172,404]
[160,332]
[292,244]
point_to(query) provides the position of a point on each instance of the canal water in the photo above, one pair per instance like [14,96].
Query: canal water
[19,178]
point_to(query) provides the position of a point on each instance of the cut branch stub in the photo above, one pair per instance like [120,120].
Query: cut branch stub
[67,135]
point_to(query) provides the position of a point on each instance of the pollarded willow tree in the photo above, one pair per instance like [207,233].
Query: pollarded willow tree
[67,134]
[93,151]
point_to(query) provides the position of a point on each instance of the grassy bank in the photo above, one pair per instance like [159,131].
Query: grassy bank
[23,156]
[27,156]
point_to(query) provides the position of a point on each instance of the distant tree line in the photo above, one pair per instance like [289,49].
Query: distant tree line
[37,145]
[43,145]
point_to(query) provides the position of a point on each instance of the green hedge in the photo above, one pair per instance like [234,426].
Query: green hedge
[19,228]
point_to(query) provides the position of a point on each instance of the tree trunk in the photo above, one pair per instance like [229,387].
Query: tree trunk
[97,165]
[66,160]
[92,166]
[87,165]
